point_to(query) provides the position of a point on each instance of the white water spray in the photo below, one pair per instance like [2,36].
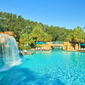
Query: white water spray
[9,54]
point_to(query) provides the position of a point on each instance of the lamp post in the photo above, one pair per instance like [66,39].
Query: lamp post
[27,33]
[2,23]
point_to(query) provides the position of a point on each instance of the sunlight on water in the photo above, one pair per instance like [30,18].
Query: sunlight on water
[55,67]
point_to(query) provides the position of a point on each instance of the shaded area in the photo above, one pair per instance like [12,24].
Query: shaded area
[23,76]
[17,76]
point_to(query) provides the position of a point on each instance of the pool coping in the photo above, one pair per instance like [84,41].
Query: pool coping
[74,50]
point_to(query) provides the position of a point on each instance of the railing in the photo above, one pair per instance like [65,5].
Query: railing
[57,42]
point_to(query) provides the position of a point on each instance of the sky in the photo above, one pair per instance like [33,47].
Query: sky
[62,13]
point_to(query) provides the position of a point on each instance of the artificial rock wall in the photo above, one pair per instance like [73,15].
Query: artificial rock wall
[10,33]
[69,46]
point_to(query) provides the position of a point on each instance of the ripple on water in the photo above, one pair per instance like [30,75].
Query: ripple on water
[57,68]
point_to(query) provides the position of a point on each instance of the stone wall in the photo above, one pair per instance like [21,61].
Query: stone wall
[49,42]
[66,46]
[69,46]
[47,46]
[10,33]
[3,39]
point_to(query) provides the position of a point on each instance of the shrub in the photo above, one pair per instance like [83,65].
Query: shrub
[25,47]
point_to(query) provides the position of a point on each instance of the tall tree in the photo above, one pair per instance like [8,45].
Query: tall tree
[38,34]
[77,35]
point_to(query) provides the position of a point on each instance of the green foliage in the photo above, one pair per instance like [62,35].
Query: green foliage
[77,35]
[25,47]
[38,34]
[69,37]
[24,38]
[23,42]
[31,42]
[39,31]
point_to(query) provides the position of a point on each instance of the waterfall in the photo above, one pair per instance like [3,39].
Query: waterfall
[9,53]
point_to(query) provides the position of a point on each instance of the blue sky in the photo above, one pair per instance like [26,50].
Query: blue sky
[62,13]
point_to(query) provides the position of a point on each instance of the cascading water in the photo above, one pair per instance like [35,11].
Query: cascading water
[9,54]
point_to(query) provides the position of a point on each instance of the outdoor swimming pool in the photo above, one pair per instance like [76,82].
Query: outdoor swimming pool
[54,67]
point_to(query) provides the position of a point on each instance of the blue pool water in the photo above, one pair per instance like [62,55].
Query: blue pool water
[54,67]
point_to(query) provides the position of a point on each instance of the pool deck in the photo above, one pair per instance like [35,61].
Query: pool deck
[81,50]
[75,50]
[39,49]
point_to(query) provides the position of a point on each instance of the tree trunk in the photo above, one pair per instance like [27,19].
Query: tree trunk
[36,40]
[79,45]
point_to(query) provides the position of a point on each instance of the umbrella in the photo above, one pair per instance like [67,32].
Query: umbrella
[40,43]
[82,44]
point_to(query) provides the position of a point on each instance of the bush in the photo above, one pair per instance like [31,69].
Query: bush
[25,47]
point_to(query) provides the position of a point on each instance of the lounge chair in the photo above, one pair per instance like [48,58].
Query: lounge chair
[82,49]
[25,51]
[38,48]
[44,48]
[79,48]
